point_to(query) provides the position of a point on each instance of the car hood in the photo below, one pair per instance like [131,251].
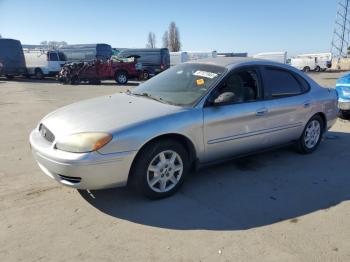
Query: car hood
[105,114]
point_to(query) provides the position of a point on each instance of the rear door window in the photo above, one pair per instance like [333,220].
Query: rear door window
[281,83]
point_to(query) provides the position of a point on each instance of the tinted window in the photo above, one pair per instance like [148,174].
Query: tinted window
[53,57]
[244,85]
[305,85]
[281,83]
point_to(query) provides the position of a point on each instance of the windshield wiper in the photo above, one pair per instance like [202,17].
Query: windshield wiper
[159,99]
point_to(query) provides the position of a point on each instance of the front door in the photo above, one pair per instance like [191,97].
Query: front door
[237,126]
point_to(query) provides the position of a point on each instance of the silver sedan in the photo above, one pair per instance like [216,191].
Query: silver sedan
[193,114]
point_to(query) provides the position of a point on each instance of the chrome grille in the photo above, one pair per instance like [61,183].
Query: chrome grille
[46,133]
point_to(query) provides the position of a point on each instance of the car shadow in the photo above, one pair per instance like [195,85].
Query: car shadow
[47,80]
[245,193]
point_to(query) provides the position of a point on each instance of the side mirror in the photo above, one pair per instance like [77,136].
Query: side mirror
[223,98]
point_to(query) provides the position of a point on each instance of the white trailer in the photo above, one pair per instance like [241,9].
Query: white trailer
[41,63]
[323,60]
[280,57]
[178,58]
[305,64]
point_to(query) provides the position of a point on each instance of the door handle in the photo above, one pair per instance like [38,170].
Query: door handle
[307,103]
[261,112]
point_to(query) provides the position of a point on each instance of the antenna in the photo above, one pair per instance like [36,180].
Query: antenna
[340,41]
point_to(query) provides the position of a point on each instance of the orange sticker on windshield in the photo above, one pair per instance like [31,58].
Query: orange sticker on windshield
[200,82]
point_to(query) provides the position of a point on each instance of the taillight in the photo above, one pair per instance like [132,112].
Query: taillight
[162,66]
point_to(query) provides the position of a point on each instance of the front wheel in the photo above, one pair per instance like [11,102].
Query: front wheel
[318,69]
[312,135]
[160,169]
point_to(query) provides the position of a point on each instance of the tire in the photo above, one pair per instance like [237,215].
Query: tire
[318,69]
[39,74]
[145,75]
[156,178]
[306,69]
[10,77]
[121,77]
[312,135]
[344,114]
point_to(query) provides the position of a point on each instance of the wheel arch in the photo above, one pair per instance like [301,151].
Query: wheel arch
[182,139]
[119,71]
[324,119]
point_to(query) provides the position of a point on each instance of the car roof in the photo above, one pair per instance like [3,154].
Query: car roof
[230,62]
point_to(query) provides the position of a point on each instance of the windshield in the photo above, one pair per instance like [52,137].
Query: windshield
[181,85]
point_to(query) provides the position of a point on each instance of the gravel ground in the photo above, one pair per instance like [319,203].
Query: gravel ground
[276,206]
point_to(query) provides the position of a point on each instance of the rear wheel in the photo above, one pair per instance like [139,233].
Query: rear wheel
[306,69]
[145,75]
[318,69]
[39,74]
[160,169]
[121,77]
[312,135]
[9,77]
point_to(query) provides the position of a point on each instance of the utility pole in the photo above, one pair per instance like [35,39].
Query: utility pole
[340,41]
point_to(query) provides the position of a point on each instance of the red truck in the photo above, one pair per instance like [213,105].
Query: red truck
[95,71]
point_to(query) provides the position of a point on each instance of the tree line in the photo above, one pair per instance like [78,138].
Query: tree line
[170,39]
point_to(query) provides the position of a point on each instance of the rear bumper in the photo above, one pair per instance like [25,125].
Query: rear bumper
[84,170]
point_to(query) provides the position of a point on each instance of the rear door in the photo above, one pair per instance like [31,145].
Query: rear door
[288,103]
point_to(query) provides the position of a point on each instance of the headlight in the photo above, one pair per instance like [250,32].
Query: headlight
[83,142]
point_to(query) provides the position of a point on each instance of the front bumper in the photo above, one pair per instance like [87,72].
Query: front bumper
[344,104]
[81,170]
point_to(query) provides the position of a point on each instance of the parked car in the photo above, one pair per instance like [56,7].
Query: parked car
[86,52]
[188,116]
[41,63]
[343,89]
[93,72]
[1,67]
[154,60]
[12,58]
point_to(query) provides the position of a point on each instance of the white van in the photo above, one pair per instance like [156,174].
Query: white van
[280,57]
[41,63]
[323,60]
[178,58]
[305,64]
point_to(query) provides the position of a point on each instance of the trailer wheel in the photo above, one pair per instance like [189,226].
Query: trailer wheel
[121,77]
[306,69]
[39,73]
[318,69]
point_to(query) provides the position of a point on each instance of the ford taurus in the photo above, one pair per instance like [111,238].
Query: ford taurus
[188,116]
